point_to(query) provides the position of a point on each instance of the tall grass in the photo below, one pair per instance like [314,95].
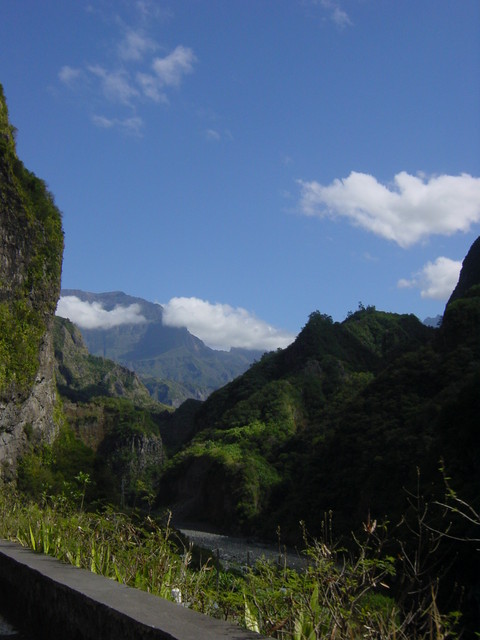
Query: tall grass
[340,595]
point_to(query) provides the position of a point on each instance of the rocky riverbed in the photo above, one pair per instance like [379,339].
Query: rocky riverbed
[242,552]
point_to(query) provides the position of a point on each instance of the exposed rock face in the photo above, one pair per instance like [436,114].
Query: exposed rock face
[31,248]
[32,418]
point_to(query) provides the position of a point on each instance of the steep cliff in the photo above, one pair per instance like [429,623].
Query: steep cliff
[31,248]
[469,274]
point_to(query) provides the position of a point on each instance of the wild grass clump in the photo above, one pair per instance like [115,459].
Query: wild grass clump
[342,595]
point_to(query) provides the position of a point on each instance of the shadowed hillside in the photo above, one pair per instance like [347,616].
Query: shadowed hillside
[340,420]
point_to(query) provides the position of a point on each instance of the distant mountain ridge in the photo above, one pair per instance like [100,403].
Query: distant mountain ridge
[174,364]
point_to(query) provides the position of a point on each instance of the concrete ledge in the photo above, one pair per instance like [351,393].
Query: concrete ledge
[57,601]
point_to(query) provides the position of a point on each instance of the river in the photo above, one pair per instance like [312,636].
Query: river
[242,552]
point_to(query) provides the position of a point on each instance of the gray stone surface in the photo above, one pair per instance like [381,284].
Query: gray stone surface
[54,600]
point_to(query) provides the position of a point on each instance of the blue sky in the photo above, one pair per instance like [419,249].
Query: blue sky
[246,162]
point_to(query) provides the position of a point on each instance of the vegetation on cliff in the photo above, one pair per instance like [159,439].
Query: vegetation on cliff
[30,265]
[81,376]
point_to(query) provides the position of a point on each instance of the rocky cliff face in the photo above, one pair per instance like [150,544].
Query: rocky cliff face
[31,248]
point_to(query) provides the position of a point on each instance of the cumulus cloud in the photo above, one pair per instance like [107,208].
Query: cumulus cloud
[151,10]
[151,88]
[406,212]
[221,326]
[91,315]
[436,279]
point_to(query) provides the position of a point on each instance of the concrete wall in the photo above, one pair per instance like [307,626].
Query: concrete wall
[54,601]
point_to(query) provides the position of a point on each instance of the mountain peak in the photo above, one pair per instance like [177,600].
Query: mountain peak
[469,274]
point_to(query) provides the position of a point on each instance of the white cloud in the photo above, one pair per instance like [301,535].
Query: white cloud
[221,326]
[103,122]
[131,125]
[91,315]
[170,69]
[167,72]
[116,85]
[136,76]
[340,17]
[68,75]
[407,211]
[151,10]
[213,135]
[151,87]
[337,14]
[135,45]
[436,279]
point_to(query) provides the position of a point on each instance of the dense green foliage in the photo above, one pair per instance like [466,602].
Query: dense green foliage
[110,442]
[281,420]
[31,252]
[56,469]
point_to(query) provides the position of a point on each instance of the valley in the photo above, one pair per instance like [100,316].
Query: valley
[358,443]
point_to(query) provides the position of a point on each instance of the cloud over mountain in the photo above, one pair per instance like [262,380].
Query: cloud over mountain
[91,315]
[221,326]
[436,279]
[406,212]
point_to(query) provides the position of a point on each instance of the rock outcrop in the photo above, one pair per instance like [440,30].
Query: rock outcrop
[31,248]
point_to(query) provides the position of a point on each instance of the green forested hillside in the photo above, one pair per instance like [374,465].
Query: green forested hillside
[112,421]
[346,419]
[371,422]
[255,435]
[81,376]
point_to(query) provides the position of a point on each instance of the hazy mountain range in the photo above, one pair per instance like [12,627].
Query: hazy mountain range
[172,363]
